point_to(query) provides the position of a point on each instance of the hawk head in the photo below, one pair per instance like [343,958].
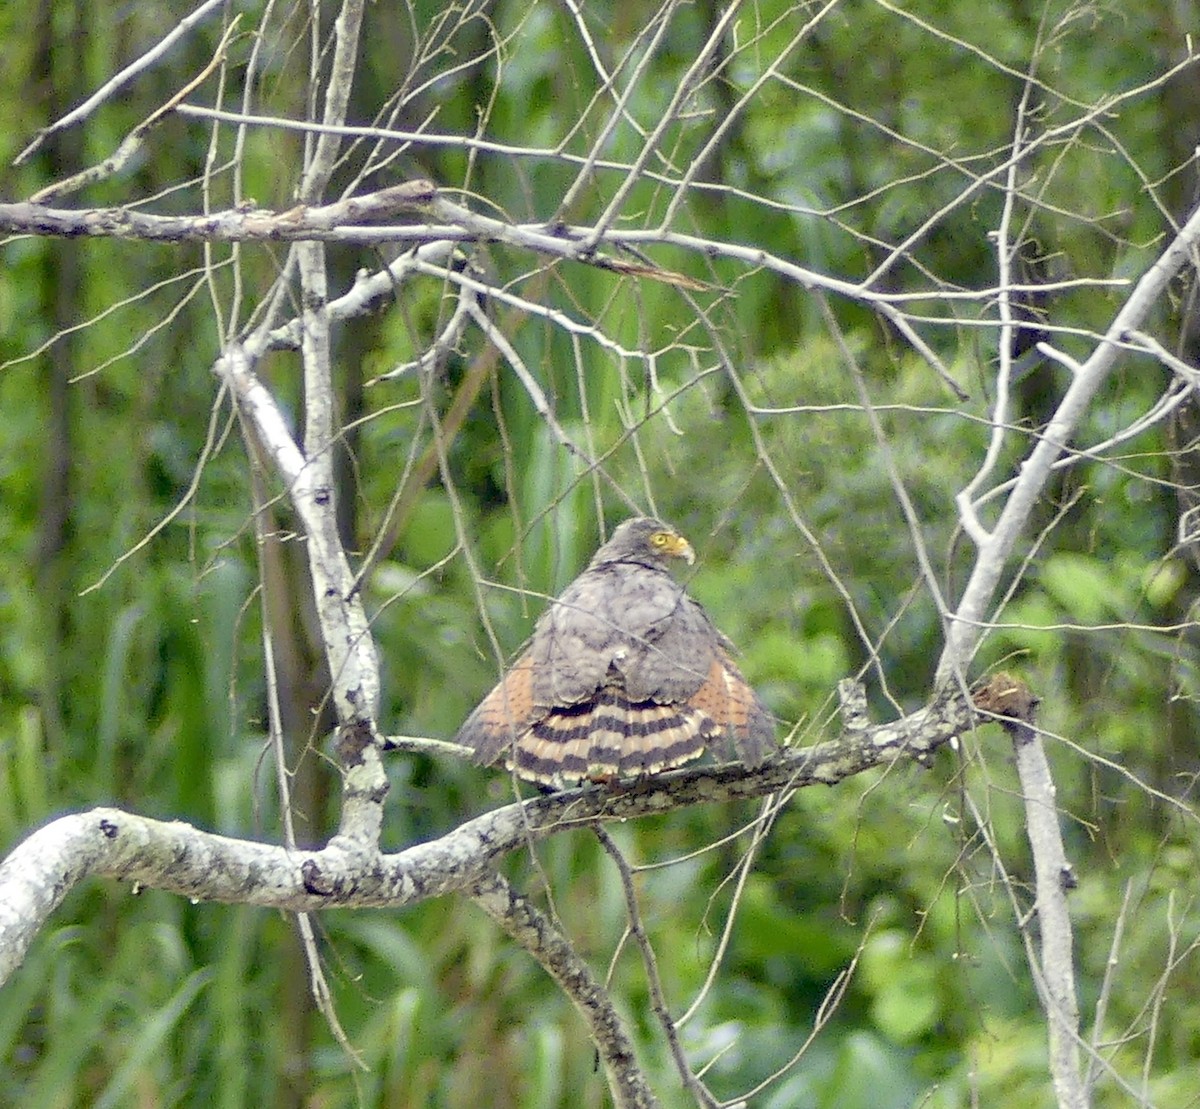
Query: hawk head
[646,540]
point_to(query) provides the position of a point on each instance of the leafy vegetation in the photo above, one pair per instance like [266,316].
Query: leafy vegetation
[131,667]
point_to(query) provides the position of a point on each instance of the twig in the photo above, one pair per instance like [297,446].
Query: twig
[1110,972]
[744,870]
[123,78]
[621,111]
[439,347]
[480,289]
[536,394]
[965,500]
[658,1001]
[684,88]
[824,1014]
[132,142]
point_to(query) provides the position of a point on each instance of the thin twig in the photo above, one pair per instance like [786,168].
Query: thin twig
[658,1001]
[744,869]
[114,84]
[134,141]
[1110,974]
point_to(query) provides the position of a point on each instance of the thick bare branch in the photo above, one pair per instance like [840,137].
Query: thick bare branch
[247,223]
[533,930]
[176,857]
[1012,700]
[349,647]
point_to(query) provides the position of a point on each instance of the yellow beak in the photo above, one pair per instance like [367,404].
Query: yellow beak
[678,547]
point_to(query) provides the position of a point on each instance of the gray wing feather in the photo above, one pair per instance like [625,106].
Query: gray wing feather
[610,617]
[674,660]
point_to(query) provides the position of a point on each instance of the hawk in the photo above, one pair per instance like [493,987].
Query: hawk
[625,675]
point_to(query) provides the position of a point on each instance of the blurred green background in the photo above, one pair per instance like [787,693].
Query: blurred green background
[148,692]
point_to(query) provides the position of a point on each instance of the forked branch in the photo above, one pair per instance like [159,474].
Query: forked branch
[181,859]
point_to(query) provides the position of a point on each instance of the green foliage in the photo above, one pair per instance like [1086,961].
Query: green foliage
[147,690]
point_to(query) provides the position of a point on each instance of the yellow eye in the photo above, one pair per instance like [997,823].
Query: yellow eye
[660,539]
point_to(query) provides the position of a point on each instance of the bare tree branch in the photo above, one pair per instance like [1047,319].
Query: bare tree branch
[967,622]
[347,28]
[658,1000]
[532,929]
[117,82]
[1016,705]
[247,223]
[348,643]
[40,872]
[134,141]
[1053,878]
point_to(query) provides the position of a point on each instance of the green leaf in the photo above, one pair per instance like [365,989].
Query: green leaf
[1089,590]
[906,1001]
[152,1032]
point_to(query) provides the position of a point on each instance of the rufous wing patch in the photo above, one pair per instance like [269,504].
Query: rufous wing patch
[503,715]
[741,719]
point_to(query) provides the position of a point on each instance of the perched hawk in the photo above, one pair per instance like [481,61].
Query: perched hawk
[625,675]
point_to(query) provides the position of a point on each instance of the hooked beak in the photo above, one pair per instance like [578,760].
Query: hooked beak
[681,548]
